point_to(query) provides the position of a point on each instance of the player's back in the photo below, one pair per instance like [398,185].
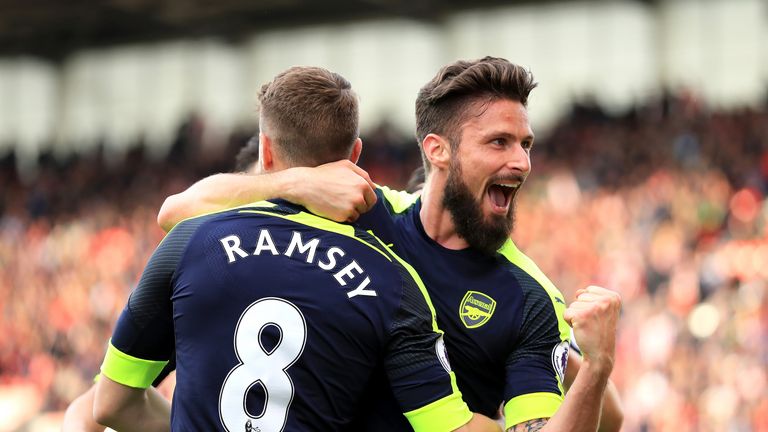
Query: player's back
[280,318]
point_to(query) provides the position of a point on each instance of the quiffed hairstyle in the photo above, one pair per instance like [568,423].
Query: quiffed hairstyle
[445,102]
[310,114]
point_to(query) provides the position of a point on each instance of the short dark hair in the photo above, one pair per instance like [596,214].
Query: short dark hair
[310,114]
[248,155]
[441,106]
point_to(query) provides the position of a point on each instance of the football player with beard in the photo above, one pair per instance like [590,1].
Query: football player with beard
[506,325]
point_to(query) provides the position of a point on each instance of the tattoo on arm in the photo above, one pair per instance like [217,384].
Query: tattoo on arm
[529,426]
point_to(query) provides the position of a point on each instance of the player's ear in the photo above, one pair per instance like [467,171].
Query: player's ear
[266,158]
[437,150]
[357,149]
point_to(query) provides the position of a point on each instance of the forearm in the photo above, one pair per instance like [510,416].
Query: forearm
[339,191]
[612,415]
[219,192]
[129,409]
[148,413]
[580,411]
[79,415]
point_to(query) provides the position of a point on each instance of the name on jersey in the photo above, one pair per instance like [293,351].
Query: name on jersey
[299,249]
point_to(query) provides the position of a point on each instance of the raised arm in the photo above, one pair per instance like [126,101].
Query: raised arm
[593,317]
[339,191]
[612,414]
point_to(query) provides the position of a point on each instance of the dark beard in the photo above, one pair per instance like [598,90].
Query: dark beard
[484,235]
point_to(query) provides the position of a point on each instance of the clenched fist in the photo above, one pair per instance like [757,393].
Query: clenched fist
[593,316]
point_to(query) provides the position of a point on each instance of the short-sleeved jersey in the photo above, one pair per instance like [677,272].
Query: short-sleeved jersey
[502,318]
[278,319]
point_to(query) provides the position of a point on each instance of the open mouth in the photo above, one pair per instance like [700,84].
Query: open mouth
[501,194]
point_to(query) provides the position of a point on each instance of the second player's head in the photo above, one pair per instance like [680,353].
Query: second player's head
[247,159]
[475,137]
[309,116]
[461,89]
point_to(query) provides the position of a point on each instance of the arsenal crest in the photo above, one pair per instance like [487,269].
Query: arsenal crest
[476,309]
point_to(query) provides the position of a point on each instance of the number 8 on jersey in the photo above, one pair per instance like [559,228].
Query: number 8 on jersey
[260,366]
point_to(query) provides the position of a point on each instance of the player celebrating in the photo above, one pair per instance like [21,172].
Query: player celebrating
[277,317]
[505,322]
[611,415]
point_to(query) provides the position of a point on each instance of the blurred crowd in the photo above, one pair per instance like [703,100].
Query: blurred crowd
[665,203]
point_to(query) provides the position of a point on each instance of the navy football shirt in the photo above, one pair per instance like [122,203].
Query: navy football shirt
[503,319]
[278,320]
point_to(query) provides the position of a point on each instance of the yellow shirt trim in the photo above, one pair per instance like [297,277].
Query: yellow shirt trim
[399,200]
[445,414]
[129,370]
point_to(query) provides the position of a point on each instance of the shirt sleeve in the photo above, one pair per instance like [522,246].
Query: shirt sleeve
[142,343]
[535,368]
[417,363]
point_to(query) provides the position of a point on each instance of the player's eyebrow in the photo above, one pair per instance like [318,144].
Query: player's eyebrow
[508,135]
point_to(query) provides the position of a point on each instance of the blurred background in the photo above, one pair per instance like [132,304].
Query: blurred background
[649,174]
